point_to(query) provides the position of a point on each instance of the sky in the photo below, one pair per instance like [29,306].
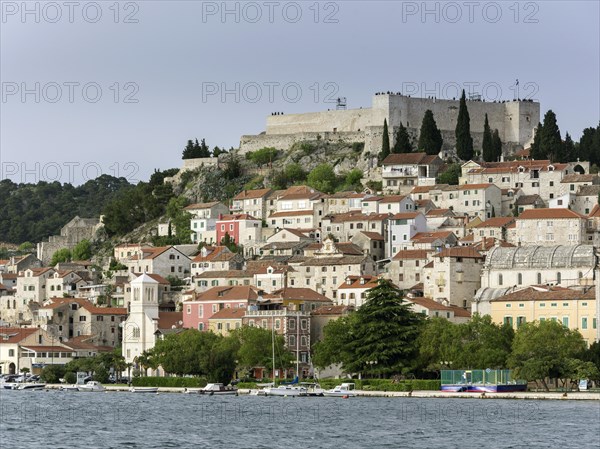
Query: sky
[119,87]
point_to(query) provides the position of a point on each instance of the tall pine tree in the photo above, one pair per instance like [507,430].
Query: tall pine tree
[464,141]
[403,143]
[430,137]
[487,146]
[188,151]
[535,152]
[497,145]
[385,142]
[550,141]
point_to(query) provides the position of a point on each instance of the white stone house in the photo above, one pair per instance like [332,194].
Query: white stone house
[549,227]
[204,219]
[402,172]
[402,227]
[251,202]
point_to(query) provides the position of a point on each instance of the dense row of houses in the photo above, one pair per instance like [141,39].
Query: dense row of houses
[514,240]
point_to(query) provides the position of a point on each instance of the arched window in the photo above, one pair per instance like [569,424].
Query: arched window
[520,279]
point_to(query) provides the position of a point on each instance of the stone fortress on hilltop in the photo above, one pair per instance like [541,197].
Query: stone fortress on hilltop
[515,120]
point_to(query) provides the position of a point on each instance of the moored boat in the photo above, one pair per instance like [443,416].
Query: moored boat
[345,389]
[143,389]
[31,386]
[91,387]
[313,389]
[286,390]
[218,389]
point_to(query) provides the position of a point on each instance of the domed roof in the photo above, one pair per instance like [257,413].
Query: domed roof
[532,257]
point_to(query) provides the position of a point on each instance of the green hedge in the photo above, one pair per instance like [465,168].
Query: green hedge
[384,384]
[191,382]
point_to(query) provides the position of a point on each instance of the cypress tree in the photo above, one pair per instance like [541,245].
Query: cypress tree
[550,141]
[188,151]
[569,149]
[403,144]
[496,145]
[464,141]
[385,142]
[535,152]
[487,146]
[430,137]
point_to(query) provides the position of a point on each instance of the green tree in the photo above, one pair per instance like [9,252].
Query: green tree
[403,143]
[220,362]
[336,345]
[497,145]
[62,255]
[589,145]
[295,173]
[385,142]
[464,141]
[487,146]
[83,250]
[535,152]
[233,168]
[255,348]
[180,218]
[430,137]
[25,247]
[451,175]
[188,151]
[52,373]
[385,333]
[263,156]
[229,242]
[352,179]
[550,141]
[543,350]
[438,344]
[322,178]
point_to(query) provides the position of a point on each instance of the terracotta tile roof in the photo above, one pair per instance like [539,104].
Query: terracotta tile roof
[157,277]
[548,294]
[299,294]
[80,342]
[237,217]
[425,237]
[429,265]
[470,238]
[224,274]
[496,222]
[356,216]
[426,189]
[229,313]
[580,178]
[299,193]
[488,243]
[9,335]
[332,310]
[283,245]
[428,303]
[410,159]
[291,213]
[170,320]
[440,213]
[595,212]
[526,200]
[4,261]
[373,235]
[416,254]
[198,206]
[355,282]
[474,186]
[342,195]
[228,293]
[8,276]
[296,232]
[211,255]
[460,251]
[326,261]
[392,198]
[252,194]
[405,215]
[537,214]
[592,190]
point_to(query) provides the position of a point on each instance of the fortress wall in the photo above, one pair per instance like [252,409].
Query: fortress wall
[285,141]
[345,121]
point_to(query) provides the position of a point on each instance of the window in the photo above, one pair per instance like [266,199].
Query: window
[200,311]
[508,320]
[277,324]
[200,326]
[520,321]
[520,279]
[584,322]
[500,280]
[542,304]
[11,352]
[292,323]
[565,321]
[303,324]
[215,308]
[539,278]
[292,341]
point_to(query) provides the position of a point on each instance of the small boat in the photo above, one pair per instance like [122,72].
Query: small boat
[313,389]
[31,386]
[286,390]
[69,388]
[9,385]
[345,389]
[143,389]
[91,387]
[218,389]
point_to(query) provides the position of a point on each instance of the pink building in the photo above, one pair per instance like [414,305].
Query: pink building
[198,310]
[243,229]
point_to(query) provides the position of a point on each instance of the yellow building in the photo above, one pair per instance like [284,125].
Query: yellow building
[226,320]
[574,308]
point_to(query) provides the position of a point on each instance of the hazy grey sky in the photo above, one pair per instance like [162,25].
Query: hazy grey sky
[131,82]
